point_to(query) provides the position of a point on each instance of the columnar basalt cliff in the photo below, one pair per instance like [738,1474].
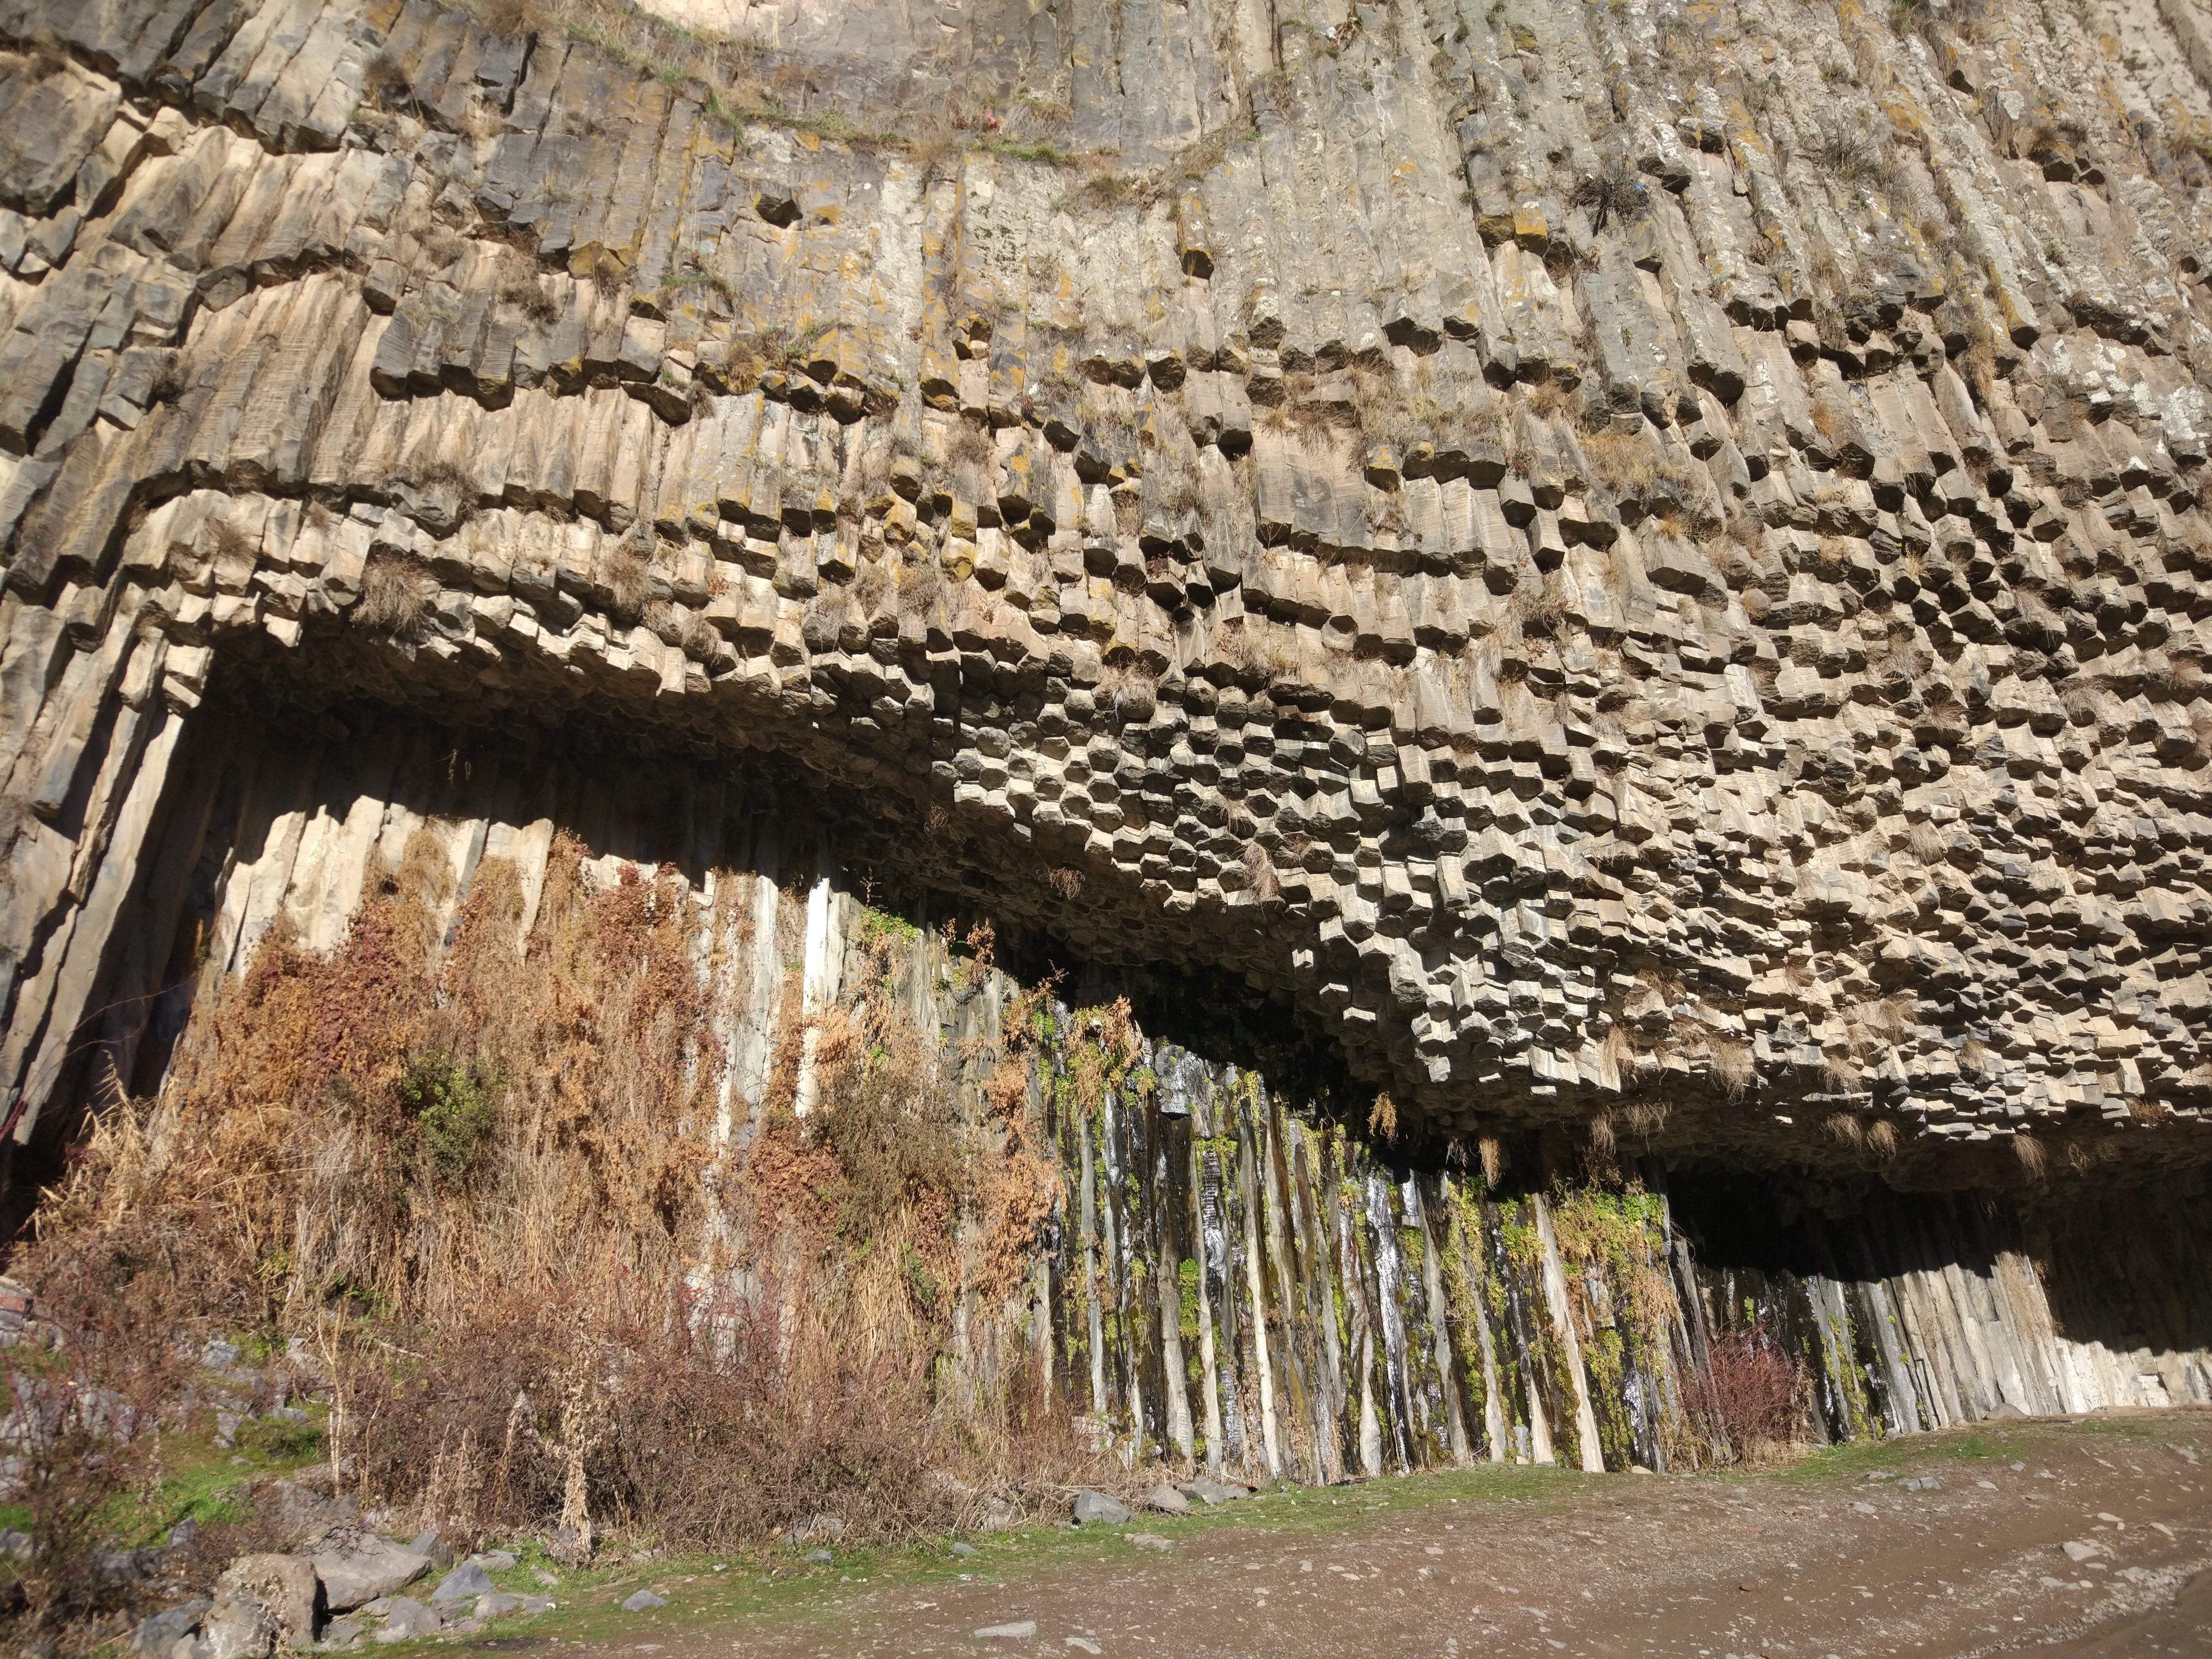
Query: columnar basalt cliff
[1630,577]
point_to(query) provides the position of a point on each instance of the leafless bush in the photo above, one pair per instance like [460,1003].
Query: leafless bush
[1844,146]
[1756,1394]
[1065,880]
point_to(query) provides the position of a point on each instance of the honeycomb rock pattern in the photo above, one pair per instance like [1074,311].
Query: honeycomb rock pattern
[1621,563]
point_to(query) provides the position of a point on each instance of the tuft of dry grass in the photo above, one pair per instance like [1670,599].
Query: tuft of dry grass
[1732,1068]
[395,596]
[522,287]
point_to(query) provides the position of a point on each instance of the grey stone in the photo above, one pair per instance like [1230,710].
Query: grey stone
[464,1582]
[644,1601]
[156,1634]
[237,1627]
[1097,1508]
[1022,1630]
[493,1560]
[430,1544]
[819,1558]
[343,1633]
[826,1528]
[965,1550]
[357,1567]
[1166,1499]
[1206,1489]
[498,1605]
[286,1585]
[405,1618]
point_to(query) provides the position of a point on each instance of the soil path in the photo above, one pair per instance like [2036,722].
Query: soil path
[1838,1556]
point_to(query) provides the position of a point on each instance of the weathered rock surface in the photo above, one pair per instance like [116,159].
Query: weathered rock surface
[1097,1508]
[1711,607]
[1639,578]
[356,1567]
[285,1586]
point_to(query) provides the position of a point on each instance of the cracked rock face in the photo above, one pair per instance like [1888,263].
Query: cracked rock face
[1613,563]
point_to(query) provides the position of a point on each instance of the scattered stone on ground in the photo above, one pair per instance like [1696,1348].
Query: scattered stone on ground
[1097,1508]
[356,1567]
[405,1618]
[644,1601]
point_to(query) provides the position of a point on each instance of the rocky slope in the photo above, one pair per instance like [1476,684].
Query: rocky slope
[1616,561]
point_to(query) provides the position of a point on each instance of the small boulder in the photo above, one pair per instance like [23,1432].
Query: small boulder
[819,1558]
[356,1567]
[535,1604]
[464,1582]
[428,1542]
[569,1546]
[343,1633]
[1206,1489]
[284,1584]
[492,1561]
[817,1529]
[1166,1499]
[157,1635]
[405,1618]
[237,1627]
[1096,1508]
[1020,1631]
[996,1514]
[1149,1540]
[497,1605]
[644,1601]
[2083,1549]
[965,1550]
[295,1512]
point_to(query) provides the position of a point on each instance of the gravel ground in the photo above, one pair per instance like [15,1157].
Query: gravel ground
[1948,1545]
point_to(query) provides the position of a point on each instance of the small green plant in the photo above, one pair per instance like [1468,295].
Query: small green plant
[451,1109]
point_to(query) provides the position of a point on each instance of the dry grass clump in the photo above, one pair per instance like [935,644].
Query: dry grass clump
[395,596]
[1733,1066]
[520,286]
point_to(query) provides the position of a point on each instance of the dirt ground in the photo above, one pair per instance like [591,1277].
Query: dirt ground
[1838,1556]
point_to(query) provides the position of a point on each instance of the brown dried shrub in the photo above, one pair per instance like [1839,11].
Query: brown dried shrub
[92,1377]
[1755,1394]
[482,1163]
